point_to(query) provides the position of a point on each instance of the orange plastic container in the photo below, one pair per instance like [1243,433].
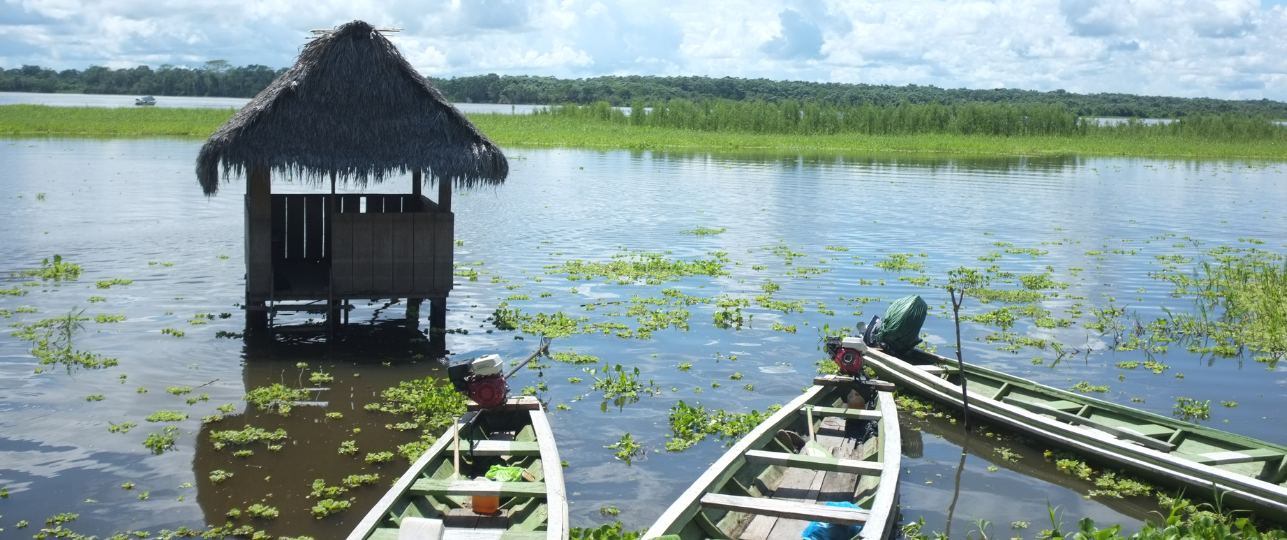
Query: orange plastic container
[484,504]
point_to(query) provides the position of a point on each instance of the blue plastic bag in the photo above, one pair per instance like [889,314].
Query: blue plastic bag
[828,531]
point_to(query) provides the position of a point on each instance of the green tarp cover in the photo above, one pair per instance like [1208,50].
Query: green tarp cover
[901,329]
[501,473]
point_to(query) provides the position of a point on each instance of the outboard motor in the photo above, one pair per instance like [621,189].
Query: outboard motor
[480,379]
[847,353]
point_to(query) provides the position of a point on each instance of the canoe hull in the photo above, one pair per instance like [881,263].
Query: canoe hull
[729,499]
[1105,432]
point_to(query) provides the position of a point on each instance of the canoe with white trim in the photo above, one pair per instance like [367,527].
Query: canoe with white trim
[771,485]
[1248,473]
[515,434]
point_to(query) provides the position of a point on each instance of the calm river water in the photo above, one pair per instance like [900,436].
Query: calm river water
[131,210]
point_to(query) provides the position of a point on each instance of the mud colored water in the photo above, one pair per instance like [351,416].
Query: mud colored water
[115,206]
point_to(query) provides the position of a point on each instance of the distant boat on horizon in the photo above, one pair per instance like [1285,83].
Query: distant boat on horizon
[145,101]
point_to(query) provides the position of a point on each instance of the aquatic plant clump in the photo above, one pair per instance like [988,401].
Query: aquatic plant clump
[277,397]
[690,425]
[631,268]
[56,269]
[245,436]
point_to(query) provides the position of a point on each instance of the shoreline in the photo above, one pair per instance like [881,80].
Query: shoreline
[552,132]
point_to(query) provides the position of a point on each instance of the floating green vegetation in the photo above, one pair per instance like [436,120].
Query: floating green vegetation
[613,531]
[317,377]
[15,291]
[51,341]
[574,358]
[1085,387]
[1007,454]
[900,262]
[107,284]
[1013,296]
[990,257]
[179,390]
[56,269]
[620,382]
[94,397]
[277,397]
[1003,318]
[262,512]
[1128,365]
[349,448]
[631,268]
[729,314]
[320,489]
[326,507]
[8,313]
[379,457]
[160,442]
[1191,410]
[690,425]
[778,327]
[430,404]
[173,332]
[108,318]
[1113,484]
[166,416]
[517,297]
[217,476]
[702,231]
[1241,300]
[627,449]
[246,435]
[123,427]
[1029,251]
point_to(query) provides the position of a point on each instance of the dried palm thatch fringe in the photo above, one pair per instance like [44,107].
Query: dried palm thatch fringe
[351,105]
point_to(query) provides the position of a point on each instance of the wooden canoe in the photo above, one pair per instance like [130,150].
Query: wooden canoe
[1249,473]
[761,489]
[516,435]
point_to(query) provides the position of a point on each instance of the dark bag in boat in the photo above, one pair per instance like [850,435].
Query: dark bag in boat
[900,330]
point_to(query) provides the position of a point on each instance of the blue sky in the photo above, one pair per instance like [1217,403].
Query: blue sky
[1210,48]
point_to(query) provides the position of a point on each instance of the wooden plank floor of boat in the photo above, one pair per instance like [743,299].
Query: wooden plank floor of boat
[809,486]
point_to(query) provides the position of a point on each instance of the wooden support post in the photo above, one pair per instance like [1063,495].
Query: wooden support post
[413,312]
[415,184]
[444,195]
[333,312]
[438,325]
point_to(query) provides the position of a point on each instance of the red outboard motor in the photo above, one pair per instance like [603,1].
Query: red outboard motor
[480,379]
[847,353]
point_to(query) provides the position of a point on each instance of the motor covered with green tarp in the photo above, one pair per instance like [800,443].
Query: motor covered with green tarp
[899,331]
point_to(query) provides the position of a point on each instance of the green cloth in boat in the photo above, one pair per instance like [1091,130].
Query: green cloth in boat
[900,330]
[501,473]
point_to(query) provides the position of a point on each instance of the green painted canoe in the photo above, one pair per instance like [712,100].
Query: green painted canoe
[518,435]
[766,489]
[1251,474]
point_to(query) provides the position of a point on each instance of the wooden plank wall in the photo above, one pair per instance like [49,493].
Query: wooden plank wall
[385,252]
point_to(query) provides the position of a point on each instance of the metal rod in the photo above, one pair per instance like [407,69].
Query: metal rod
[543,349]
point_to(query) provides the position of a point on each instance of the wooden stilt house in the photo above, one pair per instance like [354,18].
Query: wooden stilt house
[353,111]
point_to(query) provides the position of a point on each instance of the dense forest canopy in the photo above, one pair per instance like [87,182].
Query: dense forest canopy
[217,78]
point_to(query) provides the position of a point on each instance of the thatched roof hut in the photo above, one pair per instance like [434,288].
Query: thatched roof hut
[351,106]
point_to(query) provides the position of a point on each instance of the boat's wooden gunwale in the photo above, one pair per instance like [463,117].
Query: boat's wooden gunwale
[1252,492]
[555,498]
[1149,417]
[689,502]
[879,518]
[377,514]
[880,521]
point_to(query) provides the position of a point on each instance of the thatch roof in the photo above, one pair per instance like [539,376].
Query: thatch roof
[353,106]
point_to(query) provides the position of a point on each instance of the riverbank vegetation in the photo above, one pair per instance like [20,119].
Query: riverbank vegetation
[979,129]
[219,78]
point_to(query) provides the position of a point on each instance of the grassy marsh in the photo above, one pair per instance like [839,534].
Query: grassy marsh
[583,131]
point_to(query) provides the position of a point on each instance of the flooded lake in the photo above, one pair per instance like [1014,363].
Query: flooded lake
[815,226]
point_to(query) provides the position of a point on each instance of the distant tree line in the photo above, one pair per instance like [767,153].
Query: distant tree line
[622,91]
[995,119]
[217,78]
